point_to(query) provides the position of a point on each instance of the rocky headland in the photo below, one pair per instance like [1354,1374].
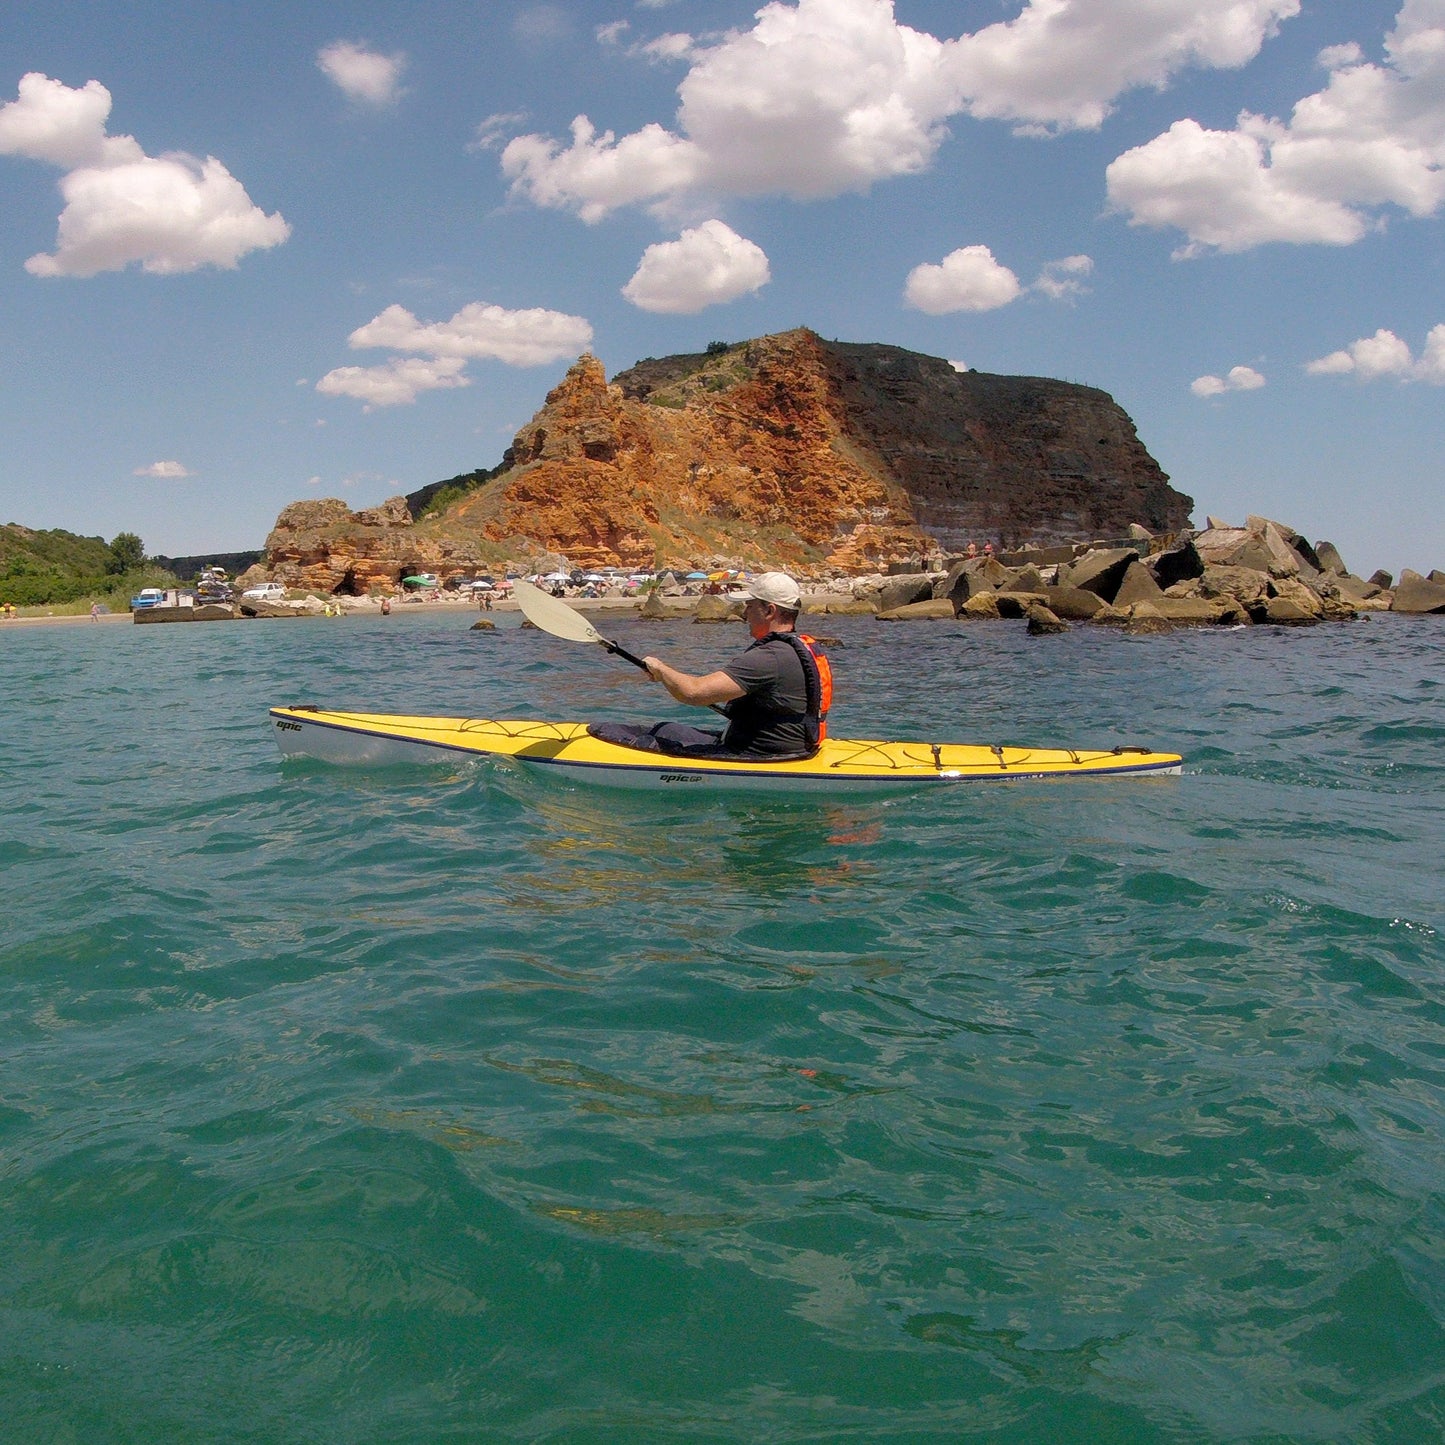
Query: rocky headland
[827,458]
[887,480]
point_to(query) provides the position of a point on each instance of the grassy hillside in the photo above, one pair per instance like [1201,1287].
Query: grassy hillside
[57,567]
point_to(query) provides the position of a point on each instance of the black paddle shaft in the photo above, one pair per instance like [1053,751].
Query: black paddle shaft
[636,661]
[622,652]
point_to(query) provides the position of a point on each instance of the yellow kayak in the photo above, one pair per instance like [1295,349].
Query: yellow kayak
[566,749]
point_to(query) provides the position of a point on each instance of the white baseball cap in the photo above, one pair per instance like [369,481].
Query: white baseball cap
[777,588]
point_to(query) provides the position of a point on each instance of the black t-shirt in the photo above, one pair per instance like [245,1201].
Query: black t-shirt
[768,719]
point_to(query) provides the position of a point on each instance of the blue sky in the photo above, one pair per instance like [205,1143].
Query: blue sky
[257,252]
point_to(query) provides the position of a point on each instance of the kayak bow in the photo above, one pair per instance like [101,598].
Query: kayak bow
[566,749]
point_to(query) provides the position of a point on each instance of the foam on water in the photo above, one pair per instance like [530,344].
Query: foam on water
[393,1105]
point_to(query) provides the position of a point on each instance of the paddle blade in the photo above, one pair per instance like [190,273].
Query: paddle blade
[553,615]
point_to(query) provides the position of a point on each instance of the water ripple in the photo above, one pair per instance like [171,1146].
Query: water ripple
[393,1105]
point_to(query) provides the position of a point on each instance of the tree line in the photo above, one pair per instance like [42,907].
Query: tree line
[49,567]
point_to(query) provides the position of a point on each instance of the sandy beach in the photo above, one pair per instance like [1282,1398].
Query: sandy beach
[355,607]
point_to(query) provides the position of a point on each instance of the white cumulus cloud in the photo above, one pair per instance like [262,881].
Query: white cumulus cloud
[491,132]
[164,471]
[531,337]
[48,121]
[1061,64]
[1431,365]
[667,49]
[168,214]
[1373,137]
[396,383]
[822,97]
[597,172]
[1385,354]
[968,279]
[1238,378]
[1064,279]
[705,266]
[362,74]
[479,330]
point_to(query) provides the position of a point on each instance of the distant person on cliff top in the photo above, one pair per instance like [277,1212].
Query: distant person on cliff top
[775,694]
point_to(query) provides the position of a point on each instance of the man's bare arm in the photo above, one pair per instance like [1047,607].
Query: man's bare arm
[714,687]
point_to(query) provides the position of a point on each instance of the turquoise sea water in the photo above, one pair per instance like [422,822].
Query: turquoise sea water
[446,1104]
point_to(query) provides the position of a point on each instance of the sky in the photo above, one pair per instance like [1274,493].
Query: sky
[254,252]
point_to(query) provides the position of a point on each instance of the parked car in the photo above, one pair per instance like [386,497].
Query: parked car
[214,586]
[147,597]
[264,592]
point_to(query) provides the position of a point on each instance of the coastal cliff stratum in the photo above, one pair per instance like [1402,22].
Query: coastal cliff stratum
[786,451]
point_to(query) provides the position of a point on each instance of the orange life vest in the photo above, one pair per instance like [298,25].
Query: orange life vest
[818,680]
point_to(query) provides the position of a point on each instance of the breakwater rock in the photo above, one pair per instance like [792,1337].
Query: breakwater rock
[1260,572]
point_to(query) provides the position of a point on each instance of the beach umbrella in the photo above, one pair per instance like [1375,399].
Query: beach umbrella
[417,581]
[696,577]
[558,577]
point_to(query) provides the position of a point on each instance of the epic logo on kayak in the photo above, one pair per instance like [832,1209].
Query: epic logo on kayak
[679,777]
[287,727]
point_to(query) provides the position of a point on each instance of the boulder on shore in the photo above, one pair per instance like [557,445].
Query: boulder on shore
[711,608]
[1145,617]
[931,607]
[1024,579]
[1017,604]
[1176,564]
[1246,585]
[1417,594]
[1136,585]
[1291,589]
[654,609]
[981,607]
[904,591]
[1100,571]
[1043,622]
[1286,612]
[1073,603]
[1200,611]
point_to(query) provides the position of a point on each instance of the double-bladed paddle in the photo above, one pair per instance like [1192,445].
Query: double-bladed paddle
[553,615]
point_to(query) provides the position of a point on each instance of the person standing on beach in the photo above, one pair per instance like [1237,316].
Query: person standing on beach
[775,694]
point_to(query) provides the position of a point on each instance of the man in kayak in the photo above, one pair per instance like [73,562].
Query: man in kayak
[775,695]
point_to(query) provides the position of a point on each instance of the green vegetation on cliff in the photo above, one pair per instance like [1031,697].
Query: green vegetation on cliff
[55,567]
[435,498]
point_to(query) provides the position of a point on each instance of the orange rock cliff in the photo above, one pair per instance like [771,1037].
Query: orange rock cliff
[787,451]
